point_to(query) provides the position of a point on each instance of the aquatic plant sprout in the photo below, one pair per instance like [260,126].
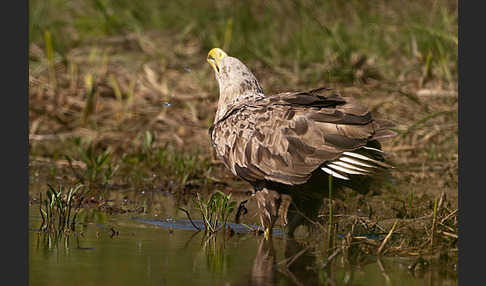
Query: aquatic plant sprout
[56,216]
[216,211]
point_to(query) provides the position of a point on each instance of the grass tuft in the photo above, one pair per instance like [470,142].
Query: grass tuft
[215,211]
[59,212]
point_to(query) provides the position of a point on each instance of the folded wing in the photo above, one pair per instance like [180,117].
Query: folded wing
[285,137]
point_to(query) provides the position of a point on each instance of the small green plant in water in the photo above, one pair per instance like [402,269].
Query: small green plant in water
[59,213]
[216,211]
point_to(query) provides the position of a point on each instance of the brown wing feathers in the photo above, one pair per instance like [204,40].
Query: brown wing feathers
[284,138]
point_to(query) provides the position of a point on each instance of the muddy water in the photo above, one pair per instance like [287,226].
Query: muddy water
[137,249]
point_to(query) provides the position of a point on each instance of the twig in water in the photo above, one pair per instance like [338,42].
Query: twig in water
[331,257]
[189,217]
[290,275]
[293,258]
[383,272]
[387,237]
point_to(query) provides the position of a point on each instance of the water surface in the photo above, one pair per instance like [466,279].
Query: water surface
[121,250]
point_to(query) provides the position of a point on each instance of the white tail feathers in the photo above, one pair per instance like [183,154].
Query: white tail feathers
[349,166]
[374,149]
[334,173]
[346,170]
[362,157]
[352,163]
[355,162]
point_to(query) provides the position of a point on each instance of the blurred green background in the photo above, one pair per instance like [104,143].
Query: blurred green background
[399,38]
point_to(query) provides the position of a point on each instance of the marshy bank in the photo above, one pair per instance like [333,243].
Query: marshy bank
[121,99]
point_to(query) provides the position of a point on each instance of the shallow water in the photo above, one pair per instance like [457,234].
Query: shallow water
[140,251]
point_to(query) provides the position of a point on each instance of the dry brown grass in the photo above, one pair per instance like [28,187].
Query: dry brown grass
[131,95]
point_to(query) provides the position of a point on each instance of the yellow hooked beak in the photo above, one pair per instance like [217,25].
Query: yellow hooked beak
[214,58]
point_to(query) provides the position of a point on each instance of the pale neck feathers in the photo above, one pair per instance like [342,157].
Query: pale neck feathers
[237,85]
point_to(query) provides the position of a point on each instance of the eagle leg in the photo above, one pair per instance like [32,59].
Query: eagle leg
[284,207]
[269,202]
